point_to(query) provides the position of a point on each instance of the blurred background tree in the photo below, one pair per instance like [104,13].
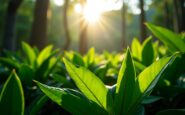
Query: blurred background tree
[9,39]
[39,27]
[142,21]
[83,30]
[66,28]
[109,24]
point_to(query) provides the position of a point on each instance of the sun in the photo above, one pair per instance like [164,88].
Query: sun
[91,12]
[59,2]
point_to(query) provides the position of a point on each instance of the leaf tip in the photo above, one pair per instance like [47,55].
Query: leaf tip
[35,81]
[128,49]
[66,62]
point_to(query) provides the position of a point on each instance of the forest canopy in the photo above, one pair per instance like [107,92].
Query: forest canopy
[58,22]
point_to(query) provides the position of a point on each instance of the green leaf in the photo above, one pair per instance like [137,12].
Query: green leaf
[139,65]
[112,90]
[90,85]
[44,54]
[26,74]
[147,52]
[147,79]
[136,48]
[12,96]
[101,72]
[63,80]
[42,72]
[37,104]
[52,64]
[9,63]
[176,69]
[71,100]
[125,85]
[29,53]
[60,78]
[89,58]
[172,112]
[150,99]
[78,60]
[169,38]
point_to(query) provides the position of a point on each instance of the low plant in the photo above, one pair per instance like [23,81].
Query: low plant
[94,97]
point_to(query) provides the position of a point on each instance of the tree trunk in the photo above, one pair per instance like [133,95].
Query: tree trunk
[39,27]
[124,36]
[9,39]
[182,13]
[142,21]
[66,29]
[83,32]
[176,16]
[179,15]
[166,14]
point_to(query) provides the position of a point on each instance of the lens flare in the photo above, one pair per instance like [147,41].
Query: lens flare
[91,13]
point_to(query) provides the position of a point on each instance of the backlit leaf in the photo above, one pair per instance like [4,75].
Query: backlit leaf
[12,97]
[125,85]
[90,85]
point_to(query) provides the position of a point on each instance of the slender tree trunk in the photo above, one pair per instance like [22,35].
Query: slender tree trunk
[66,29]
[142,21]
[124,35]
[166,14]
[39,27]
[182,13]
[83,32]
[176,16]
[179,15]
[9,39]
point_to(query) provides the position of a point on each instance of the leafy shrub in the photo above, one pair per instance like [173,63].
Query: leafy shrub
[149,82]
[130,90]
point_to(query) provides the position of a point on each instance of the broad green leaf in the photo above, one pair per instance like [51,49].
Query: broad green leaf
[26,74]
[12,96]
[90,85]
[71,100]
[89,58]
[147,52]
[150,99]
[156,48]
[169,38]
[63,80]
[29,53]
[44,54]
[9,63]
[147,79]
[139,65]
[78,60]
[60,79]
[125,86]
[37,104]
[136,48]
[101,72]
[43,70]
[52,64]
[68,55]
[172,112]
[176,69]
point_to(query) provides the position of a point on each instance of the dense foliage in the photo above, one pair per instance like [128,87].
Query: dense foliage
[147,79]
